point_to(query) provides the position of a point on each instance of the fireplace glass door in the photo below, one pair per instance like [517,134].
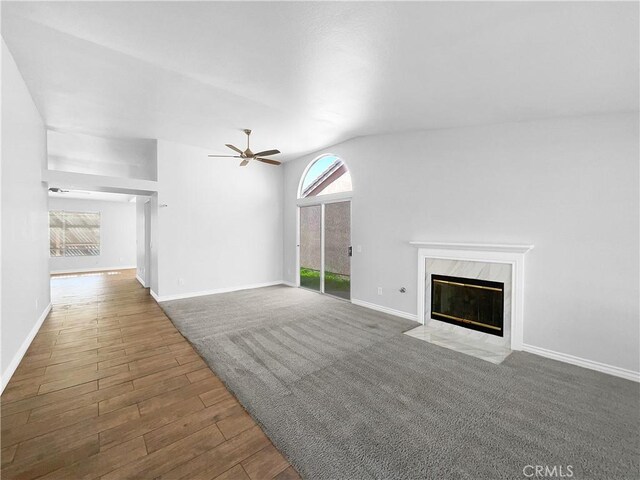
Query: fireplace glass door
[467,302]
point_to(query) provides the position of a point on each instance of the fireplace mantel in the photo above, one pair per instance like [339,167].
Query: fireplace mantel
[477,247]
[479,252]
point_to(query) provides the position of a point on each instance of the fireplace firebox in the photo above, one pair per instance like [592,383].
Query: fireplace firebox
[468,302]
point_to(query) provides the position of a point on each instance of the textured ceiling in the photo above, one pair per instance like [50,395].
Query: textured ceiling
[306,75]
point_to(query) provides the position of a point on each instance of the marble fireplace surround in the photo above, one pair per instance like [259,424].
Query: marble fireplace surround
[498,262]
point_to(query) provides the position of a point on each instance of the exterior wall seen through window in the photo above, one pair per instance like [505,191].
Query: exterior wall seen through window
[74,234]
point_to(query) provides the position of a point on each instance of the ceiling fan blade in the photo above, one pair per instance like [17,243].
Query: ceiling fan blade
[233,148]
[266,153]
[244,162]
[226,156]
[266,160]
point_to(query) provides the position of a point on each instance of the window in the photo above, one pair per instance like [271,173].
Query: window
[328,174]
[324,242]
[74,234]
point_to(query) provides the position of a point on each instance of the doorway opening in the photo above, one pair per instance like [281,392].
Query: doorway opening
[324,241]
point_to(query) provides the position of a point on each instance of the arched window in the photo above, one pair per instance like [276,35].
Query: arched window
[327,174]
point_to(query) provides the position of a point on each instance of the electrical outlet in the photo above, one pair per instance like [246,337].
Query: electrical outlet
[181,281]
[359,249]
[379,290]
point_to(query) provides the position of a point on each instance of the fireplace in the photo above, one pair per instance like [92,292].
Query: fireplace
[468,302]
[496,262]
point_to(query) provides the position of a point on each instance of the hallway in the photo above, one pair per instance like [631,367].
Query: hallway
[110,389]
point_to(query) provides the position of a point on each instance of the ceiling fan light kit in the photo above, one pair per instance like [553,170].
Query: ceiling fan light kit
[248,155]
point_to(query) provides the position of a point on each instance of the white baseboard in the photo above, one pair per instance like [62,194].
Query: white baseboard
[8,373]
[390,311]
[289,284]
[180,296]
[140,281]
[583,362]
[89,270]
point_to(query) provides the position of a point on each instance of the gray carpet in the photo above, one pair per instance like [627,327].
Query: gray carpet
[344,394]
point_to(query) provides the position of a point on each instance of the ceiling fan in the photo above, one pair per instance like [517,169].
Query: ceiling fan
[249,155]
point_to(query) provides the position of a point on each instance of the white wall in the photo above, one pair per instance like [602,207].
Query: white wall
[569,186]
[140,240]
[221,227]
[113,157]
[154,282]
[25,237]
[117,235]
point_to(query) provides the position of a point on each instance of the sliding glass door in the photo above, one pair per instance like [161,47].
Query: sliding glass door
[325,248]
[310,246]
[337,249]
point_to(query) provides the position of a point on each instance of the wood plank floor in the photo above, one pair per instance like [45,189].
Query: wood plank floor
[110,389]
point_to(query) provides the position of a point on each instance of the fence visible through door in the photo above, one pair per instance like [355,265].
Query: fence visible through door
[325,248]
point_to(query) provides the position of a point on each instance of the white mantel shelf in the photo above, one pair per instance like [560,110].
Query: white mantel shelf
[475,247]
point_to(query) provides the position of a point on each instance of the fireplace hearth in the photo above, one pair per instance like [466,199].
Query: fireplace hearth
[468,302]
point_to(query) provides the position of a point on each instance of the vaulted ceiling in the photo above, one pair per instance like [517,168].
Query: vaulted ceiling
[304,75]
